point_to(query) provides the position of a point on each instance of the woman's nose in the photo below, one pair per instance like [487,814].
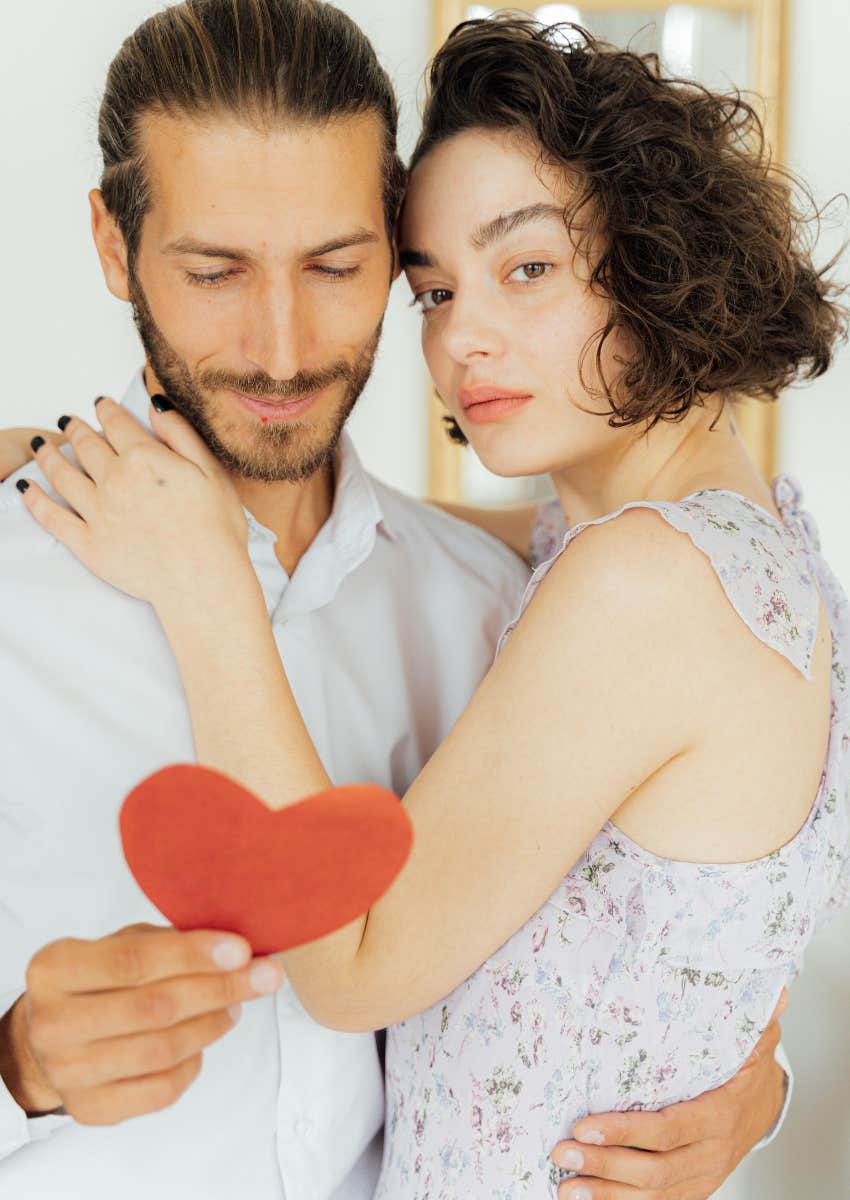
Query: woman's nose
[471,331]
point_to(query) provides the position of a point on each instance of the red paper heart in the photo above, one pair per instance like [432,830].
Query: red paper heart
[210,855]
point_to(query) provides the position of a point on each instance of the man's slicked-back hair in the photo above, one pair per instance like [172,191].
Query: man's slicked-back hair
[264,61]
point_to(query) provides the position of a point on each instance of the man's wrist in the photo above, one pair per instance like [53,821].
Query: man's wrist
[780,1092]
[767,1115]
[19,1068]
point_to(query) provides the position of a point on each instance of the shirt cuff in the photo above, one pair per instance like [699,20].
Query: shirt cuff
[782,1058]
[16,1128]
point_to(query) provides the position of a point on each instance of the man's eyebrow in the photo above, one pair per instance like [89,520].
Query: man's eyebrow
[493,231]
[190,245]
[358,237]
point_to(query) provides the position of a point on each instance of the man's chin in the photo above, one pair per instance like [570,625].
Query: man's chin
[273,453]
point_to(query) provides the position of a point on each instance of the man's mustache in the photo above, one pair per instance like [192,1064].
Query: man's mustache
[302,384]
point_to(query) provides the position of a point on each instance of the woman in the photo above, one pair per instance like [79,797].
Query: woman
[628,837]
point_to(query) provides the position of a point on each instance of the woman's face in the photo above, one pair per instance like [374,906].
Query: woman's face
[506,310]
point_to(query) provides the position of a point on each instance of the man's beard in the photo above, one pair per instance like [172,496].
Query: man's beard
[278,451]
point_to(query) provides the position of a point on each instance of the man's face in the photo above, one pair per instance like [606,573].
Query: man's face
[261,280]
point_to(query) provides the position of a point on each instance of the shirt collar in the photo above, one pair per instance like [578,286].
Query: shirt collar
[356,507]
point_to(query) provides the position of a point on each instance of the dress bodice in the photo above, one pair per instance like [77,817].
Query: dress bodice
[641,981]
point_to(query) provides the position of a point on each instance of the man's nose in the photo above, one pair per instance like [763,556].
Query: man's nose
[275,333]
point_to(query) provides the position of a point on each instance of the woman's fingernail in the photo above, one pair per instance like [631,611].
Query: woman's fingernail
[266,977]
[235,1012]
[63,423]
[570,1160]
[581,1193]
[592,1138]
[230,955]
[162,403]
[22,485]
[98,400]
[37,443]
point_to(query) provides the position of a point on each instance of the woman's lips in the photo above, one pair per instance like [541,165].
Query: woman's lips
[276,410]
[484,402]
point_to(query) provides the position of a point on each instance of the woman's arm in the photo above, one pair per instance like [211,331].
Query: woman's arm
[15,448]
[574,715]
[513,526]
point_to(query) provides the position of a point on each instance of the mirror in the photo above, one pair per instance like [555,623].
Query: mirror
[721,43]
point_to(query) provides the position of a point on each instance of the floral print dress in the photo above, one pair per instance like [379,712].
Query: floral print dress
[641,981]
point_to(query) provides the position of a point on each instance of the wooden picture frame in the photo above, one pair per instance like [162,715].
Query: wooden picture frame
[757,420]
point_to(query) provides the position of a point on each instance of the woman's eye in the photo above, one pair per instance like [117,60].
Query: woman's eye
[528,272]
[432,299]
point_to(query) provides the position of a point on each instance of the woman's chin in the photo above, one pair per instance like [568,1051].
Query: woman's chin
[517,465]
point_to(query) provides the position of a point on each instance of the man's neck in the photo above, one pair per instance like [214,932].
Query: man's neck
[295,512]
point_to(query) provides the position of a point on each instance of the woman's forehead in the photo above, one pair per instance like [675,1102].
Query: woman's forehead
[474,178]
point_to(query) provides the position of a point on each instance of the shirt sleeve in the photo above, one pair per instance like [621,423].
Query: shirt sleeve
[16,1128]
[785,1064]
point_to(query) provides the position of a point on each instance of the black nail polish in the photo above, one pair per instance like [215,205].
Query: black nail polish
[162,403]
[63,423]
[22,485]
[36,444]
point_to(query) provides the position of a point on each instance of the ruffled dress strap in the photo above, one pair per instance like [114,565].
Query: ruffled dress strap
[834,814]
[762,563]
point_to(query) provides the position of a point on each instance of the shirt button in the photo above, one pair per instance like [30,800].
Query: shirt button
[302,1127]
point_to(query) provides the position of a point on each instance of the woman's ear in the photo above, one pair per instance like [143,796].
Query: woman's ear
[110,245]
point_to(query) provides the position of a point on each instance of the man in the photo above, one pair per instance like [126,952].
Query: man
[246,209]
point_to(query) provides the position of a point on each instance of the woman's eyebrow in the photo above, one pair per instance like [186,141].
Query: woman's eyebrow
[416,258]
[493,231]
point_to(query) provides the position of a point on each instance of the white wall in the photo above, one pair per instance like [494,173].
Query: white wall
[66,340]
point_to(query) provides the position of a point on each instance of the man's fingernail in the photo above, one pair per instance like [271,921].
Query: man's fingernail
[162,403]
[581,1193]
[22,485]
[36,444]
[266,977]
[230,955]
[592,1138]
[570,1160]
[63,423]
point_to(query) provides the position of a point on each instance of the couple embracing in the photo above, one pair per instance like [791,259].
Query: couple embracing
[619,723]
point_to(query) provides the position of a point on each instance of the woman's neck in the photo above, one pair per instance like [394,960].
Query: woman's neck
[669,462]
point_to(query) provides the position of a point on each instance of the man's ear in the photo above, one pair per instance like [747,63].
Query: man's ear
[110,245]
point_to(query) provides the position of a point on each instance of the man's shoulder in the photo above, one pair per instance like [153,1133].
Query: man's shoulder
[28,554]
[420,528]
[13,511]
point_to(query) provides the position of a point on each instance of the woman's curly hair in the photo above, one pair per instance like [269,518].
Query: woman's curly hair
[707,251]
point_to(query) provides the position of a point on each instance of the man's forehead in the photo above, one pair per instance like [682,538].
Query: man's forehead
[221,169]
